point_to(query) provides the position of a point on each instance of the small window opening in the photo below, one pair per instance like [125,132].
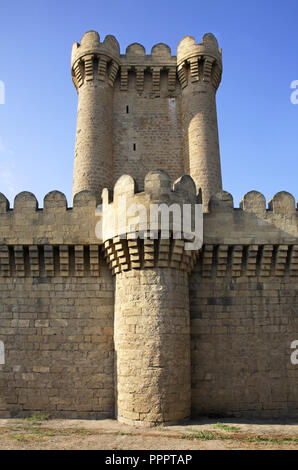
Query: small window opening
[127,109]
[134,147]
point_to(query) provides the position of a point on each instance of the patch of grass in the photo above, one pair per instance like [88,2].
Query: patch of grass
[204,436]
[273,440]
[24,437]
[226,427]
[37,417]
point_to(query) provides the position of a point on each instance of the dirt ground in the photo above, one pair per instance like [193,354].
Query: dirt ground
[40,433]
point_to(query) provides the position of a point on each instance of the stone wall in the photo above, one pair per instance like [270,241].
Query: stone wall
[57,307]
[244,308]
[56,310]
[58,339]
[147,129]
[242,329]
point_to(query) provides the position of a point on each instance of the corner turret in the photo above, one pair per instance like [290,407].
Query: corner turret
[199,70]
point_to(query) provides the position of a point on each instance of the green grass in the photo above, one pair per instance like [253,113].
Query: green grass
[226,427]
[24,437]
[37,417]
[204,436]
[273,440]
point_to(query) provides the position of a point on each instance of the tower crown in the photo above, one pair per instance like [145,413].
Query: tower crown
[204,60]
[90,44]
[187,48]
[93,58]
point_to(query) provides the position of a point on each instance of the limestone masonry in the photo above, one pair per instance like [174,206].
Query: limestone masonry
[139,329]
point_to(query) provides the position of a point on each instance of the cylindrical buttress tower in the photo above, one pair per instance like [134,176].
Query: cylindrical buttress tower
[94,67]
[152,319]
[152,345]
[199,71]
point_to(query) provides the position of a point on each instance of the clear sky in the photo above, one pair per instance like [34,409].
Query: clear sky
[258,124]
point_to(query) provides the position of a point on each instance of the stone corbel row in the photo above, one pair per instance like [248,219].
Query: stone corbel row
[49,261]
[94,66]
[135,253]
[203,69]
[248,260]
[140,74]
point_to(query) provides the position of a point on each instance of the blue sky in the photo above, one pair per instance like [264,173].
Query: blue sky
[258,124]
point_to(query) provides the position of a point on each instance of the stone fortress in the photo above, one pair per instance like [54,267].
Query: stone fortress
[139,329]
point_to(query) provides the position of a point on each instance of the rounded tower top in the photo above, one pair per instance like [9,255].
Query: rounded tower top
[90,44]
[187,48]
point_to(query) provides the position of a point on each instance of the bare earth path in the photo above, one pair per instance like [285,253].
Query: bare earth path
[38,432]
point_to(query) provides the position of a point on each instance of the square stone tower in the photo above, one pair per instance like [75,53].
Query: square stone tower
[139,112]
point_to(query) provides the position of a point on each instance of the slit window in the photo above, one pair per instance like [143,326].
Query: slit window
[134,147]
[127,109]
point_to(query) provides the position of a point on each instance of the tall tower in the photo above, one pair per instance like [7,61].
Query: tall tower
[138,112]
[94,67]
[199,71]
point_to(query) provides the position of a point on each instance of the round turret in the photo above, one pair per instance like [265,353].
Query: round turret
[199,72]
[94,67]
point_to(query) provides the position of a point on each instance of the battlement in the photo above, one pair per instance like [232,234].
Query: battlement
[55,223]
[188,48]
[199,63]
[132,239]
[58,223]
[127,200]
[252,222]
[157,187]
[90,44]
[94,59]
[160,55]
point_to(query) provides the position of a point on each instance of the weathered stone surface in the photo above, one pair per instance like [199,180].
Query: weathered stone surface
[152,346]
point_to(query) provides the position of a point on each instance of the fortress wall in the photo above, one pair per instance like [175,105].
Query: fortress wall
[57,305]
[58,339]
[56,309]
[244,308]
[241,332]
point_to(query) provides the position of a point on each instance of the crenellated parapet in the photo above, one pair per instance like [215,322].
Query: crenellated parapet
[132,239]
[199,63]
[252,240]
[53,241]
[136,62]
[95,60]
